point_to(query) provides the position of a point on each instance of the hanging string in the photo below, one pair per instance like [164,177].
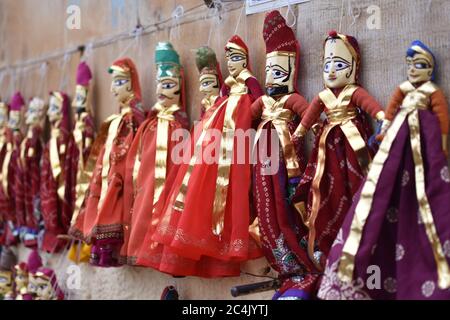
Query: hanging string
[177,14]
[429,5]
[290,12]
[12,82]
[341,16]
[64,79]
[43,69]
[239,19]
[351,12]
[215,10]
[2,76]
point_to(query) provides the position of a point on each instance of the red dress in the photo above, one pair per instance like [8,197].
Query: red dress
[2,212]
[279,223]
[56,184]
[142,186]
[8,192]
[101,219]
[28,182]
[336,168]
[83,134]
[186,230]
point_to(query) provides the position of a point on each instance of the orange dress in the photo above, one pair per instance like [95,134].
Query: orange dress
[100,221]
[142,186]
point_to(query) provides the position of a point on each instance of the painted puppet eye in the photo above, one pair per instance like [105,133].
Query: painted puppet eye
[206,83]
[421,65]
[168,85]
[278,74]
[326,67]
[341,65]
[237,58]
[120,82]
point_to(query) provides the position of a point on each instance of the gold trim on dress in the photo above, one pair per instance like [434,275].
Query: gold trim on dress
[274,112]
[408,112]
[340,115]
[115,120]
[280,53]
[238,88]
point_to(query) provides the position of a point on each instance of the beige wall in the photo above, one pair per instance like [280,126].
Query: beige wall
[31,28]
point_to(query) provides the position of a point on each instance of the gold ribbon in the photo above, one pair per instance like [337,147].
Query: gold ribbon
[5,167]
[179,202]
[273,112]
[414,100]
[340,115]
[23,149]
[165,116]
[115,121]
[237,89]
[55,161]
[208,102]
[84,173]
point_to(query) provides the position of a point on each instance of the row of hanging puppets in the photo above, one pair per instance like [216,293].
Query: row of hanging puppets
[362,199]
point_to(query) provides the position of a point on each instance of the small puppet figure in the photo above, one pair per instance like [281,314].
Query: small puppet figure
[8,260]
[100,221]
[23,271]
[280,162]
[46,285]
[150,161]
[209,201]
[11,197]
[340,158]
[4,110]
[83,133]
[29,175]
[400,219]
[57,174]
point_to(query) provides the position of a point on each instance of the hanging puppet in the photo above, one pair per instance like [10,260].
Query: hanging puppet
[83,132]
[400,219]
[28,182]
[210,78]
[340,158]
[149,161]
[100,220]
[280,162]
[11,198]
[206,214]
[57,174]
[4,109]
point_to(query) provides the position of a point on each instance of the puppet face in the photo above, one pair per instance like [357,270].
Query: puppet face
[54,112]
[3,115]
[80,100]
[5,282]
[121,88]
[35,112]
[168,91]
[339,68]
[15,120]
[44,289]
[209,85]
[236,61]
[21,279]
[32,285]
[420,68]
[280,70]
